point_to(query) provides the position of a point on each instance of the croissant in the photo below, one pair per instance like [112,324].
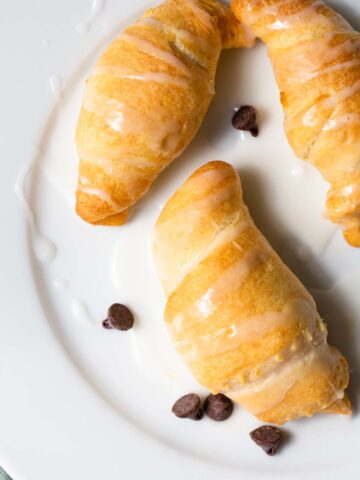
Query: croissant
[146,100]
[316,58]
[242,322]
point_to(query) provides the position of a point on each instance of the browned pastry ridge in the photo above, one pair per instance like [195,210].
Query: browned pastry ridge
[316,58]
[242,322]
[145,101]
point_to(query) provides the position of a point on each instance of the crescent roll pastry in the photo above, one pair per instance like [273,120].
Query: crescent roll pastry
[316,58]
[145,101]
[242,322]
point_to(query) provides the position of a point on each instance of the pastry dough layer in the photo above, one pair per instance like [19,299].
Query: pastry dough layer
[145,101]
[242,322]
[316,58]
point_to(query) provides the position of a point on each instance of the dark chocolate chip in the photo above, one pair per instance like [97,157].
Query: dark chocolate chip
[268,438]
[254,131]
[106,324]
[188,406]
[218,407]
[245,119]
[119,317]
[199,415]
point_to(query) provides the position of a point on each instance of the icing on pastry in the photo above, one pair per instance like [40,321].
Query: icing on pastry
[241,321]
[146,100]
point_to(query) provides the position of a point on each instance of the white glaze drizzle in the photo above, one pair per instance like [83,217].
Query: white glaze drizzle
[160,129]
[193,57]
[347,194]
[221,239]
[150,49]
[310,118]
[180,34]
[55,86]
[342,95]
[254,17]
[288,21]
[203,183]
[200,13]
[44,248]
[306,61]
[231,279]
[253,329]
[345,191]
[81,312]
[284,21]
[252,4]
[226,283]
[157,77]
[84,181]
[170,271]
[284,378]
[119,163]
[340,66]
[197,208]
[101,194]
[341,121]
[210,178]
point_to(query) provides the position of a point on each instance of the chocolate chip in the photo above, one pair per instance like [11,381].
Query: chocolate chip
[245,119]
[199,415]
[119,317]
[268,438]
[218,407]
[188,406]
[106,324]
[254,131]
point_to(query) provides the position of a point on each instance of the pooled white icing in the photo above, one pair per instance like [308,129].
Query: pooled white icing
[44,248]
[82,313]
[96,8]
[55,86]
[45,42]
[60,284]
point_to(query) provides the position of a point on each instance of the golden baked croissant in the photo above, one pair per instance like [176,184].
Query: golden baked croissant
[146,100]
[316,58]
[243,323]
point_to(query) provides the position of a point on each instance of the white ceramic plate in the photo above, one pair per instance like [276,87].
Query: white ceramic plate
[78,401]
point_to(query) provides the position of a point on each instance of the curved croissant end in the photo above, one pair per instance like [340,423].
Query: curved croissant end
[243,323]
[316,58]
[145,101]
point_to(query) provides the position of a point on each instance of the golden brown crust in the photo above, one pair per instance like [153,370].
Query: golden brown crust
[146,100]
[316,58]
[242,322]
